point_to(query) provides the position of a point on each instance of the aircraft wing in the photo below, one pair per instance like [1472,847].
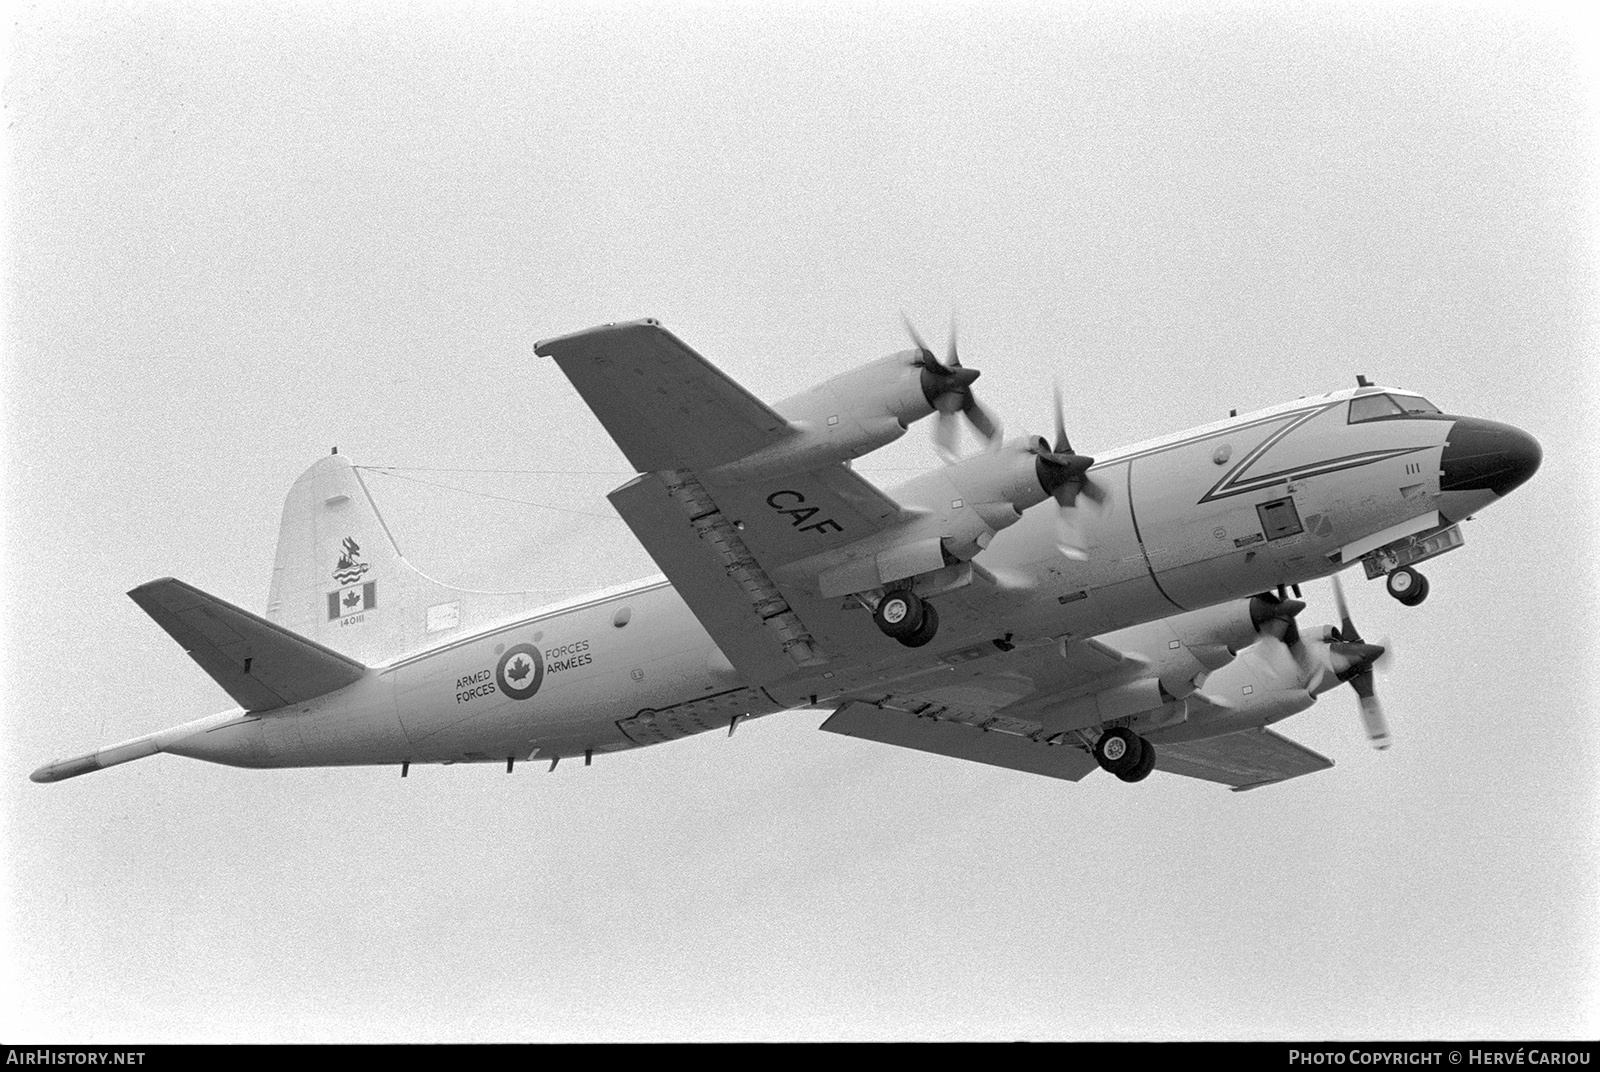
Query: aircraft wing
[665,405]
[722,540]
[993,707]
[983,704]
[997,747]
[1243,760]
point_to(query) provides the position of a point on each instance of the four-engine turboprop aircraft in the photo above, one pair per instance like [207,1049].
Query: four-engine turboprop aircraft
[1028,607]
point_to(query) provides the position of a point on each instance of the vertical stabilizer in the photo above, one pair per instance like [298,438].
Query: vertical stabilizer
[340,580]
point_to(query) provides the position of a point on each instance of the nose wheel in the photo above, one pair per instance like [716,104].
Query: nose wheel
[1408,586]
[907,618]
[1125,754]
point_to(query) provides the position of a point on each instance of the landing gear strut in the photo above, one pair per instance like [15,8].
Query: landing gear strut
[1408,586]
[1125,754]
[907,617]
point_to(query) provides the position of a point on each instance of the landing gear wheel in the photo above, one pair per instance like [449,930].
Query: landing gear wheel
[1119,751]
[1408,586]
[1147,763]
[900,615]
[930,626]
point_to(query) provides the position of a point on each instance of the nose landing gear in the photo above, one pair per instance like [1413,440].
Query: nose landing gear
[1125,754]
[1408,586]
[907,618]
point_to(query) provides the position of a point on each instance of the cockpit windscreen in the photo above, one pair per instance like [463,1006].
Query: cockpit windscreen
[1372,407]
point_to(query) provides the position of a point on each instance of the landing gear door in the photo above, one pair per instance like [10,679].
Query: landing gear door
[1411,550]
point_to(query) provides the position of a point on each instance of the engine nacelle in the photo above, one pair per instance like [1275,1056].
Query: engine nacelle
[1216,634]
[845,417]
[980,495]
[1180,652]
[1127,701]
[957,510]
[1184,649]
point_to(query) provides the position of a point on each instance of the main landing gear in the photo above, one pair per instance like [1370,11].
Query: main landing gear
[907,617]
[1408,586]
[1125,754]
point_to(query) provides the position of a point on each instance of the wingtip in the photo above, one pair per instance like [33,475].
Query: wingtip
[150,584]
[547,347]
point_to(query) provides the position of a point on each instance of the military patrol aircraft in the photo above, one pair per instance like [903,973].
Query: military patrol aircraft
[1027,606]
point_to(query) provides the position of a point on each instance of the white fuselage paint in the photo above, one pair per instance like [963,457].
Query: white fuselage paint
[1182,530]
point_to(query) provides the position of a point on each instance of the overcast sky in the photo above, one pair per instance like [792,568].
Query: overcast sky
[238,235]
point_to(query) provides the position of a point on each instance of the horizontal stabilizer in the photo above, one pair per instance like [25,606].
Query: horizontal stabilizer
[960,741]
[261,665]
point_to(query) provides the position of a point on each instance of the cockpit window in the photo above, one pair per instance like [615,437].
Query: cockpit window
[1371,407]
[1414,404]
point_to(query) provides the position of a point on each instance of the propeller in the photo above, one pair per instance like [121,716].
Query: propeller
[1064,474]
[948,389]
[1358,657]
[1348,659]
[1273,616]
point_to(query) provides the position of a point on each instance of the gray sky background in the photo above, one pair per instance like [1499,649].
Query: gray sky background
[237,235]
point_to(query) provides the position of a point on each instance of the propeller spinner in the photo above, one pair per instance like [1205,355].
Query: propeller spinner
[948,389]
[1065,475]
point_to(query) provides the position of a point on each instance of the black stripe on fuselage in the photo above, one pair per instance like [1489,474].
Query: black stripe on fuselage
[1322,468]
[1254,455]
[1228,429]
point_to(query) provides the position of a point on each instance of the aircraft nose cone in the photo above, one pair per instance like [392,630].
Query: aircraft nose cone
[1488,456]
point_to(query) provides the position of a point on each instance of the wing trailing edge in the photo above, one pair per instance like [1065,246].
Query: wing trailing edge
[959,741]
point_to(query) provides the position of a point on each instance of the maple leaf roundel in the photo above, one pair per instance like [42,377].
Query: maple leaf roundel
[520,672]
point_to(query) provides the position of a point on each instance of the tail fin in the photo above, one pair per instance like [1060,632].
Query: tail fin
[339,578]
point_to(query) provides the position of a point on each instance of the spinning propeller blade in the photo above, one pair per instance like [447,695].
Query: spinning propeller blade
[1361,657]
[948,389]
[1065,475]
[1273,618]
